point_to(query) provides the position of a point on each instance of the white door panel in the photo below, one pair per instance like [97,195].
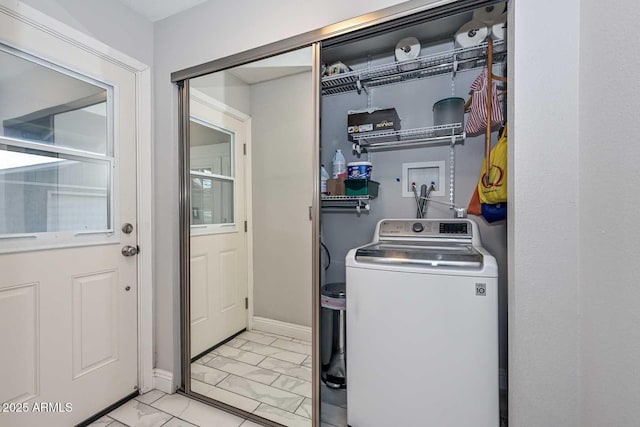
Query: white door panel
[72,329]
[218,289]
[68,297]
[19,326]
[218,240]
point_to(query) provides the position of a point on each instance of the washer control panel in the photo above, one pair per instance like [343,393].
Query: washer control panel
[424,228]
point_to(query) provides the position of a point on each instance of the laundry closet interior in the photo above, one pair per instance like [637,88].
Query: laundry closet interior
[320,241]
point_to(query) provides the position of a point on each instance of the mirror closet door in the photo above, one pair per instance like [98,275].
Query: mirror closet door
[251,179]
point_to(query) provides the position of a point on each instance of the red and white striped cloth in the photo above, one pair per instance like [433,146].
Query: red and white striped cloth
[477,122]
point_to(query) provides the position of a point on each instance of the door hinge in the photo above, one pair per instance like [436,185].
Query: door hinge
[246,226]
[246,303]
[310,213]
[244,149]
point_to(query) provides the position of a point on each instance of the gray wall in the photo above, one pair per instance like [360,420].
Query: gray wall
[109,21]
[282,153]
[573,310]
[343,230]
[609,241]
[544,325]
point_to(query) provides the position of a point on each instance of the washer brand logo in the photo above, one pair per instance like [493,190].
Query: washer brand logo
[481,289]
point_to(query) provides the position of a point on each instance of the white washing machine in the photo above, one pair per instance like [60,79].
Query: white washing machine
[422,327]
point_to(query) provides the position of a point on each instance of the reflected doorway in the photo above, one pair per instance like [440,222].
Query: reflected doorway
[251,145]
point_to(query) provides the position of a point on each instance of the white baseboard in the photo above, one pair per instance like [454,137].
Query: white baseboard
[163,380]
[282,328]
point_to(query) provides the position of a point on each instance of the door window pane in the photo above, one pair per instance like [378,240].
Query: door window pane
[211,201]
[48,192]
[56,149]
[82,129]
[41,104]
[212,174]
[211,150]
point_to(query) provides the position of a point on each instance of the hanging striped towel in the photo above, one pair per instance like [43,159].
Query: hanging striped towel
[477,122]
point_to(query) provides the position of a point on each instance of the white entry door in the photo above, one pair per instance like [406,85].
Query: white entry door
[218,236]
[68,296]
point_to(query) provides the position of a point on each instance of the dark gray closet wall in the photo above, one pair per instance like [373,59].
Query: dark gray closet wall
[343,230]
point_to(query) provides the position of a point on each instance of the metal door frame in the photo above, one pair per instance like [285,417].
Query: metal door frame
[411,12]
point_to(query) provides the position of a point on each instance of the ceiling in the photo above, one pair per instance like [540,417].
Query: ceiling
[275,67]
[286,64]
[155,10]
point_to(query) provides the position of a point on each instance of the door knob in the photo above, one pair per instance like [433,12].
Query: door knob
[130,250]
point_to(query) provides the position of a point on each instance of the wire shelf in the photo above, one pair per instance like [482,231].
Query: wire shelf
[421,67]
[346,202]
[409,138]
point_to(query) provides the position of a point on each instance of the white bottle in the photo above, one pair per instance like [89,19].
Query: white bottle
[339,165]
[324,176]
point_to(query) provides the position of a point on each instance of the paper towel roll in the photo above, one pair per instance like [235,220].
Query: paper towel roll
[471,34]
[489,14]
[407,49]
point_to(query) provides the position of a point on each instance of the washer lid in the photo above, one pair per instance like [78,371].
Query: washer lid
[433,254]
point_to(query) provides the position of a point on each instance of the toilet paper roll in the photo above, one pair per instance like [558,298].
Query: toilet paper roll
[471,34]
[407,49]
[489,14]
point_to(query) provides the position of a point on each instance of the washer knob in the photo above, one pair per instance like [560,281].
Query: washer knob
[417,227]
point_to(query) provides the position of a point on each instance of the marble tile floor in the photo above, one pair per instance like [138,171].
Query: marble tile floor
[157,409]
[266,374]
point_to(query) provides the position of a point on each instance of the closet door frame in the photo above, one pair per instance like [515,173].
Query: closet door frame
[400,15]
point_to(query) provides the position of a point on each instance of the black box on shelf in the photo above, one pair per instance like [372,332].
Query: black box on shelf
[373,121]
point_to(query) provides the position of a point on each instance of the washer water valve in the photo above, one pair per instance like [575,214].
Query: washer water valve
[460,212]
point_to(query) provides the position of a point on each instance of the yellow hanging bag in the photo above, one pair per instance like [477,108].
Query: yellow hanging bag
[492,189]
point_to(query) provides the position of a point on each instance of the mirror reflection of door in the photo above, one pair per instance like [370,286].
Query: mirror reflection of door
[218,243]
[251,285]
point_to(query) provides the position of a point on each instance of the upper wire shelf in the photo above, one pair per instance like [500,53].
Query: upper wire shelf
[409,138]
[421,67]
